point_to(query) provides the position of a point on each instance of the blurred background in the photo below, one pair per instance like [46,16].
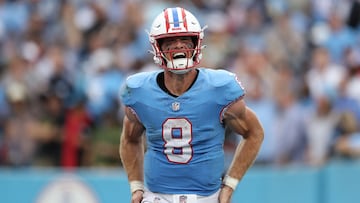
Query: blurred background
[62,63]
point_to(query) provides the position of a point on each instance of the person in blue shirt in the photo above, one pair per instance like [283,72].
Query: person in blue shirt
[181,113]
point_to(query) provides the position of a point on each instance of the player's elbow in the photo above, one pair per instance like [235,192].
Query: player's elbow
[256,134]
[259,134]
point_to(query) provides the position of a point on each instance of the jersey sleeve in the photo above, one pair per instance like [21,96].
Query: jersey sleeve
[125,92]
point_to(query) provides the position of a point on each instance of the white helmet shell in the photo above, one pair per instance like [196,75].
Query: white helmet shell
[175,22]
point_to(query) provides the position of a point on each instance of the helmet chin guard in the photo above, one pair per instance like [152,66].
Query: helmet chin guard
[180,66]
[176,22]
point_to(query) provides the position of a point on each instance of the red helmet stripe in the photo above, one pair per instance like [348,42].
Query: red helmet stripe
[166,15]
[184,18]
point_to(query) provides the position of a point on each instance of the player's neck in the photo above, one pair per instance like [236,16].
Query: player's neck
[178,84]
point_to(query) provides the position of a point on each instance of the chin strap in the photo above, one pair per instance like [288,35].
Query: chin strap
[180,72]
[180,63]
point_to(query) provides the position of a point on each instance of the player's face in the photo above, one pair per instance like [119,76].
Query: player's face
[177,47]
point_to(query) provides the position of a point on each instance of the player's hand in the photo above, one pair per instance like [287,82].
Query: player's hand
[225,194]
[137,196]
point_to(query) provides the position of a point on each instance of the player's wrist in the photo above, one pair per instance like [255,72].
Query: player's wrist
[230,182]
[136,185]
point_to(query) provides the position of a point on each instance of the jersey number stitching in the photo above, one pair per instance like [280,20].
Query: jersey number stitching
[177,135]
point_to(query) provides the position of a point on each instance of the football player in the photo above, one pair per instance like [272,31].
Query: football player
[182,111]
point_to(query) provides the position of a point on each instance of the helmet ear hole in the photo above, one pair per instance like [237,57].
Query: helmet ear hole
[151,40]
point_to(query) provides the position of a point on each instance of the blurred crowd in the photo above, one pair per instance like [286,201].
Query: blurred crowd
[62,64]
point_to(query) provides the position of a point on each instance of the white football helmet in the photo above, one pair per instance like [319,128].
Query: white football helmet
[176,22]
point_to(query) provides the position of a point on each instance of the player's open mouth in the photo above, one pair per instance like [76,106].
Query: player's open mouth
[179,55]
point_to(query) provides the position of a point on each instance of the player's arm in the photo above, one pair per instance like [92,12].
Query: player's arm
[243,121]
[132,149]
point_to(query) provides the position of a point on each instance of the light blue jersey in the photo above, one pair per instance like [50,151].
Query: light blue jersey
[184,134]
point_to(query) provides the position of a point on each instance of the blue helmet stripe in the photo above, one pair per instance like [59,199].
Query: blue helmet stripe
[175,17]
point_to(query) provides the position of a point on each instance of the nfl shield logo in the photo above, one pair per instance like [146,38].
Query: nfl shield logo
[175,106]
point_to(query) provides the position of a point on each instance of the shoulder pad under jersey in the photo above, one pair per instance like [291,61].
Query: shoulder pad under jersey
[220,77]
[132,84]
[138,79]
